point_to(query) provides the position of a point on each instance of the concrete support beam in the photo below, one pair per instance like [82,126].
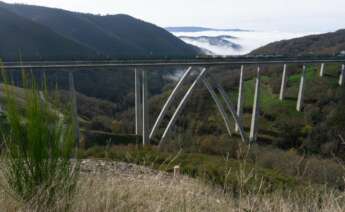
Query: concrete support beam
[300,99]
[74,106]
[169,101]
[342,75]
[138,108]
[145,110]
[283,84]
[181,106]
[255,113]
[322,70]
[219,104]
[240,98]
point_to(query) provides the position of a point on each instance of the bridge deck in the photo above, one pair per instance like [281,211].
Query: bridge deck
[86,64]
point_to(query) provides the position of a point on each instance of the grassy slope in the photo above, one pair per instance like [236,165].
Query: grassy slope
[108,186]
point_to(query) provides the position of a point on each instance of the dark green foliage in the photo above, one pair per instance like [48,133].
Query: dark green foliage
[98,138]
[291,135]
[101,123]
[38,148]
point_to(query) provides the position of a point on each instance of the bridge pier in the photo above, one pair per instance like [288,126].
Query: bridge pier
[74,106]
[141,105]
[255,113]
[322,70]
[342,75]
[283,84]
[138,111]
[300,99]
[239,111]
[145,109]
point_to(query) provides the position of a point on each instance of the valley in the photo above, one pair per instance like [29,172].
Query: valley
[231,42]
[80,93]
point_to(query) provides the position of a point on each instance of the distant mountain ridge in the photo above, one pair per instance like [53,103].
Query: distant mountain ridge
[110,36]
[221,41]
[332,43]
[201,29]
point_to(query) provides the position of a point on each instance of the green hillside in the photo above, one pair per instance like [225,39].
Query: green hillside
[316,130]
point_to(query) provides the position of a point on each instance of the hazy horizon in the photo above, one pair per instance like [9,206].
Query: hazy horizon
[266,15]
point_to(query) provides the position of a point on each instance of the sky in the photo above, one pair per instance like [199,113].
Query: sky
[265,15]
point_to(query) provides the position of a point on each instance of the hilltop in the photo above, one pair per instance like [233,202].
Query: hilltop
[331,43]
[23,37]
[201,29]
[82,35]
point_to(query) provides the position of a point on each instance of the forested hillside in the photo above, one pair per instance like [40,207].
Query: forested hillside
[20,37]
[331,43]
[110,36]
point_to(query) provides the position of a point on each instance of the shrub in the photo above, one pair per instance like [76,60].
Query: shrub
[309,169]
[290,135]
[102,123]
[116,126]
[38,148]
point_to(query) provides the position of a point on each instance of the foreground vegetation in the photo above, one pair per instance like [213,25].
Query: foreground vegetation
[142,190]
[38,144]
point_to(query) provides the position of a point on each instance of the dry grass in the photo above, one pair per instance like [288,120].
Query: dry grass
[134,188]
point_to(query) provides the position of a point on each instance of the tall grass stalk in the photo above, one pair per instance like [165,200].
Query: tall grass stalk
[39,145]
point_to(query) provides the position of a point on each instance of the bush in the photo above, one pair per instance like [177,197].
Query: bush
[291,135]
[101,123]
[38,148]
[117,127]
[309,169]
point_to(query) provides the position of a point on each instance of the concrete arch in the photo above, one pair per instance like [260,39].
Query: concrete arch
[212,91]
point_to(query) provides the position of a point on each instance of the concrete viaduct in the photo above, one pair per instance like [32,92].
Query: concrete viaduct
[226,108]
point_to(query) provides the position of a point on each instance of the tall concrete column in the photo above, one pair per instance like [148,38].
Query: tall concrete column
[145,110]
[283,84]
[239,111]
[342,75]
[322,70]
[256,109]
[138,112]
[74,107]
[300,99]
